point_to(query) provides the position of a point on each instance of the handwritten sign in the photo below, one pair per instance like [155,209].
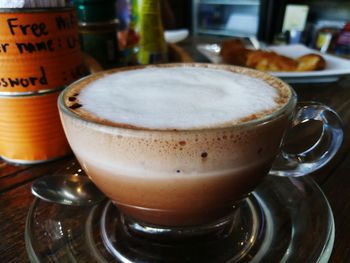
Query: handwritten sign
[39,50]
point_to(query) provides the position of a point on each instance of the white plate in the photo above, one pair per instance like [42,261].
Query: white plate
[336,67]
[174,36]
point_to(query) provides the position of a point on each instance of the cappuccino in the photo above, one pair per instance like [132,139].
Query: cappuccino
[176,144]
[178,98]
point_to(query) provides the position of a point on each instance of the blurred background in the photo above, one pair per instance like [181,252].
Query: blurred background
[262,18]
[315,23]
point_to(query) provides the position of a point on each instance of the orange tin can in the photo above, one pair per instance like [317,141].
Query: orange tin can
[39,49]
[30,129]
[39,55]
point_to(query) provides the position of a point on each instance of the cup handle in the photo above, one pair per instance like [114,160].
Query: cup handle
[329,142]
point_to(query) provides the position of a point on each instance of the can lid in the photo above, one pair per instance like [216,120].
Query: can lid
[95,10]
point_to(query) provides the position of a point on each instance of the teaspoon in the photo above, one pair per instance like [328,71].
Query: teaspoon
[67,189]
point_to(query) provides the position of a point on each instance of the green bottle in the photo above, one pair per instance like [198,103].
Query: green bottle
[98,30]
[152,46]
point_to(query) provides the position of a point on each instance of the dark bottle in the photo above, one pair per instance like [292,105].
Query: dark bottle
[98,28]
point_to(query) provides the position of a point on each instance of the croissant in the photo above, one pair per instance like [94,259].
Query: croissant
[270,61]
[311,62]
[234,52]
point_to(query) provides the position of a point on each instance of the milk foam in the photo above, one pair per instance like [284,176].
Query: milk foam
[177,97]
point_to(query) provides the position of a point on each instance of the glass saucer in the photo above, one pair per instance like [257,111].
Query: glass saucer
[283,220]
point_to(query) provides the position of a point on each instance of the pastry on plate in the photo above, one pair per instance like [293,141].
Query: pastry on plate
[235,52]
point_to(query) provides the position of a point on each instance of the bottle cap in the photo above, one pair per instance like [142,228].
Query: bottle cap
[95,10]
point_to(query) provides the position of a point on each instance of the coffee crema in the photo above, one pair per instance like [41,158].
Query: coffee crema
[171,150]
[177,97]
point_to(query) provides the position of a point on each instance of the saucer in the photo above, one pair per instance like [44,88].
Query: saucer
[283,220]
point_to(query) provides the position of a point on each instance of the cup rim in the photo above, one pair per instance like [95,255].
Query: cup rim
[289,106]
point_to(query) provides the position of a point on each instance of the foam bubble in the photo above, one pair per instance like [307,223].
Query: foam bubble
[177,97]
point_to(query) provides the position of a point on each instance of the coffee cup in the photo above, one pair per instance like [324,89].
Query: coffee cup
[178,145]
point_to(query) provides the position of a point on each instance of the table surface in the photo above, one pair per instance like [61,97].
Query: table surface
[334,179]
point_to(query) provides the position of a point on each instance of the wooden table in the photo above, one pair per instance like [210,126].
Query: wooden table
[334,179]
